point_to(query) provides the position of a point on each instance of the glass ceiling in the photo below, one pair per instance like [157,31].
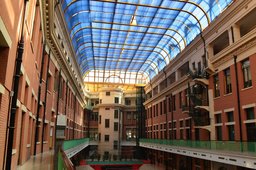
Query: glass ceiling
[130,41]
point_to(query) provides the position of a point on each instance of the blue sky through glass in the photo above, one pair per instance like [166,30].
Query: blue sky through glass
[130,41]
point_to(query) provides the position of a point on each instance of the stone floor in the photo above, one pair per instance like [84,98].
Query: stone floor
[45,162]
[42,161]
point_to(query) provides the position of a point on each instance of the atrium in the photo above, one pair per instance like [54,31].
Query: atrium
[128,84]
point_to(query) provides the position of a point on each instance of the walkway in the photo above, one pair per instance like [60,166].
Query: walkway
[39,162]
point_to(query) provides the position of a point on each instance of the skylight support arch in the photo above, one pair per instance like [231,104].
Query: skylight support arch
[106,37]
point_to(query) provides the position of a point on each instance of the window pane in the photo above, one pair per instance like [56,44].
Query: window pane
[116,114]
[228,81]
[216,86]
[249,113]
[230,116]
[246,73]
[231,132]
[106,123]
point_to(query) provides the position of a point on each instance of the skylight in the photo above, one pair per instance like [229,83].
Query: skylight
[130,41]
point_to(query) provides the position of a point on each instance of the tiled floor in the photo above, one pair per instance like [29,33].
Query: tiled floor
[45,162]
[39,162]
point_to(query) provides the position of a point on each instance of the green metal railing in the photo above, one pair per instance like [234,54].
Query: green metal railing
[60,161]
[249,147]
[72,143]
[63,161]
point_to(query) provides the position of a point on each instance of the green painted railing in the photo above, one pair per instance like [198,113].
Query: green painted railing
[72,143]
[60,161]
[211,145]
[63,162]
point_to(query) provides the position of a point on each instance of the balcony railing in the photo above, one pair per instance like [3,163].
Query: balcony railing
[64,162]
[232,146]
[74,143]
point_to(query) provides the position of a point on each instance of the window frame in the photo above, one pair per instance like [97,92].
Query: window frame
[247,77]
[228,83]
[107,123]
[216,82]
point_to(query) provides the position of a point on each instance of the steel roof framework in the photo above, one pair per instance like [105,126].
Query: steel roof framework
[130,41]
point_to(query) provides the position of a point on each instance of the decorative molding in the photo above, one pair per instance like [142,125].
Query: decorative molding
[48,15]
[248,106]
[2,89]
[4,35]
[229,110]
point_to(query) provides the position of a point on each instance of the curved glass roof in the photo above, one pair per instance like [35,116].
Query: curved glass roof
[130,41]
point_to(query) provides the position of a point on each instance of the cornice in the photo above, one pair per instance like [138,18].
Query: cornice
[242,45]
[64,28]
[51,41]
[167,91]
[109,105]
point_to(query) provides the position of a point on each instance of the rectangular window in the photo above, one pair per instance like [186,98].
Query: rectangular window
[188,122]
[107,93]
[45,137]
[230,116]
[165,107]
[115,147]
[134,115]
[96,102]
[129,115]
[161,108]
[99,119]
[99,136]
[173,103]
[199,67]
[156,109]
[181,133]
[170,104]
[127,102]
[219,132]
[228,81]
[180,97]
[181,123]
[250,113]
[216,85]
[247,73]
[106,138]
[231,132]
[116,99]
[130,134]
[194,66]
[106,123]
[115,126]
[218,118]
[250,132]
[107,108]
[116,114]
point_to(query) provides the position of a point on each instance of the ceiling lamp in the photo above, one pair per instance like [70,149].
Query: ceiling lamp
[133,21]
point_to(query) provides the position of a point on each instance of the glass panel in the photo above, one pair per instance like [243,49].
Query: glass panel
[134,36]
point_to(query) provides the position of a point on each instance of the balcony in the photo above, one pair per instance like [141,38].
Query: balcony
[229,152]
[199,76]
[185,109]
[199,97]
[200,117]
[209,67]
